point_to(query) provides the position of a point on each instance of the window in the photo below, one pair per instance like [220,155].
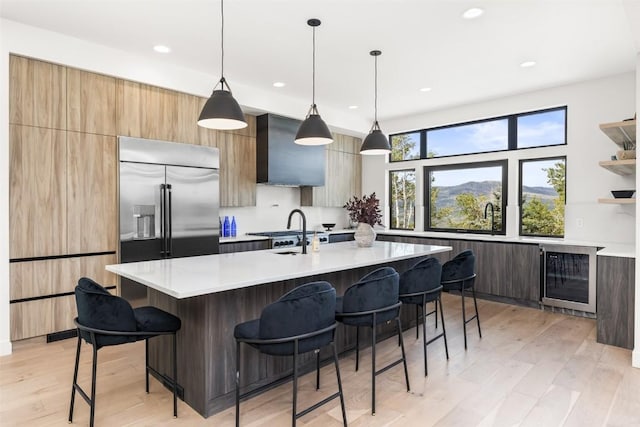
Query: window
[481,137]
[405,146]
[402,188]
[459,196]
[542,128]
[542,197]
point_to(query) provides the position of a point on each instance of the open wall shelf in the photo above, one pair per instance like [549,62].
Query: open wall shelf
[620,132]
[620,167]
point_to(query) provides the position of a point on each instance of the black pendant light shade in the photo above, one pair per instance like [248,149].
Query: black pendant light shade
[313,130]
[376,142]
[221,111]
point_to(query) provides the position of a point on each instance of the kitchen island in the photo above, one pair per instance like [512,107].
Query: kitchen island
[213,293]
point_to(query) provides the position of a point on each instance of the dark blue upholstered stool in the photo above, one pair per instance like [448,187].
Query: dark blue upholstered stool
[372,301]
[104,320]
[458,274]
[420,285]
[301,321]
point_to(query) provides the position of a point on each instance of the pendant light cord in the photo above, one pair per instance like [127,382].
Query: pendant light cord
[375,102]
[222,43]
[313,73]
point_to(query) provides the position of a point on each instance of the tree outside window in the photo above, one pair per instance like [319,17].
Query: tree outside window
[405,146]
[402,199]
[542,197]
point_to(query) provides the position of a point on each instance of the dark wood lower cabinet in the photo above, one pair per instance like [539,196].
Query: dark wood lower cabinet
[504,269]
[252,245]
[206,346]
[615,294]
[342,237]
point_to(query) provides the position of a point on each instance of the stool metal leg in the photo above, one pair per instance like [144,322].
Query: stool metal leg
[418,320]
[93,381]
[75,379]
[464,319]
[404,357]
[373,365]
[237,383]
[475,303]
[424,344]
[436,311]
[175,376]
[444,331]
[146,363]
[317,369]
[295,383]
[357,346]
[335,362]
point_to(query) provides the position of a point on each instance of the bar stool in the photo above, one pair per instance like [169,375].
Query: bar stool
[458,275]
[372,301]
[420,285]
[104,320]
[301,321]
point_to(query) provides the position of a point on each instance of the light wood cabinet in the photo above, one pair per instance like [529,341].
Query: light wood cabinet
[343,175]
[91,102]
[91,200]
[37,93]
[37,192]
[53,281]
[237,170]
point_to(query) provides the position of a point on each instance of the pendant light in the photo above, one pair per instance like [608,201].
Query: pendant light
[313,130]
[221,111]
[375,142]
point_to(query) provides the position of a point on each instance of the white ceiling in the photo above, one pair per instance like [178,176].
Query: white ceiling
[424,43]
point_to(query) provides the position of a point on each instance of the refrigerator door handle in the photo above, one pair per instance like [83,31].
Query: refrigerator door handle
[163,214]
[169,222]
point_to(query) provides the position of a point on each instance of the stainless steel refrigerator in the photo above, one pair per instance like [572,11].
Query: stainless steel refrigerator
[169,202]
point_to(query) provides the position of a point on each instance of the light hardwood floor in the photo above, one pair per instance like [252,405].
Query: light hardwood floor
[531,368]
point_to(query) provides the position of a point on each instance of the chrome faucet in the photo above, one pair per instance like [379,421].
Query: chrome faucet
[304,228]
[489,204]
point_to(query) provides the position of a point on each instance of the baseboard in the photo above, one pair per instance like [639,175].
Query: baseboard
[5,348]
[635,358]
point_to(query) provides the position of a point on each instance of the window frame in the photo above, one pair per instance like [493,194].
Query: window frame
[512,142]
[534,159]
[390,206]
[504,163]
[422,148]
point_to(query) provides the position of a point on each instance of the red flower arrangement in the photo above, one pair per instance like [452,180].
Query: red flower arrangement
[365,210]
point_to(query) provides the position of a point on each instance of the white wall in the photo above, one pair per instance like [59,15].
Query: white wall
[635,359]
[273,204]
[53,47]
[588,104]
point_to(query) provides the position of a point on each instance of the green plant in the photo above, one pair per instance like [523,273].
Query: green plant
[365,210]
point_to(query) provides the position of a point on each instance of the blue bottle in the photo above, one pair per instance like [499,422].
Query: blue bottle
[233,226]
[226,227]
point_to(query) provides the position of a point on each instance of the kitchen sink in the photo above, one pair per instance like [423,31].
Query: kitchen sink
[287,253]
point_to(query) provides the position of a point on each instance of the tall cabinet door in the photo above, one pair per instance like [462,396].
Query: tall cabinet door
[37,192]
[91,205]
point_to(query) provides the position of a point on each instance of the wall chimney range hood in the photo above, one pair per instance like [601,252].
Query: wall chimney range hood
[280,161]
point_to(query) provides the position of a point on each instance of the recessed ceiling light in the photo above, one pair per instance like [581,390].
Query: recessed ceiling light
[425,89]
[279,84]
[472,13]
[161,48]
[528,64]
[353,107]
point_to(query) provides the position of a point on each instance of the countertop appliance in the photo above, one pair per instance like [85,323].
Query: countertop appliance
[290,238]
[279,160]
[569,277]
[169,202]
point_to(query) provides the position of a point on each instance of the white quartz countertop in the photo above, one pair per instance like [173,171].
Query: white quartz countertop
[201,275]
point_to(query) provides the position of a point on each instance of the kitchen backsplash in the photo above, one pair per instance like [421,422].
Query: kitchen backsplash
[273,204]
